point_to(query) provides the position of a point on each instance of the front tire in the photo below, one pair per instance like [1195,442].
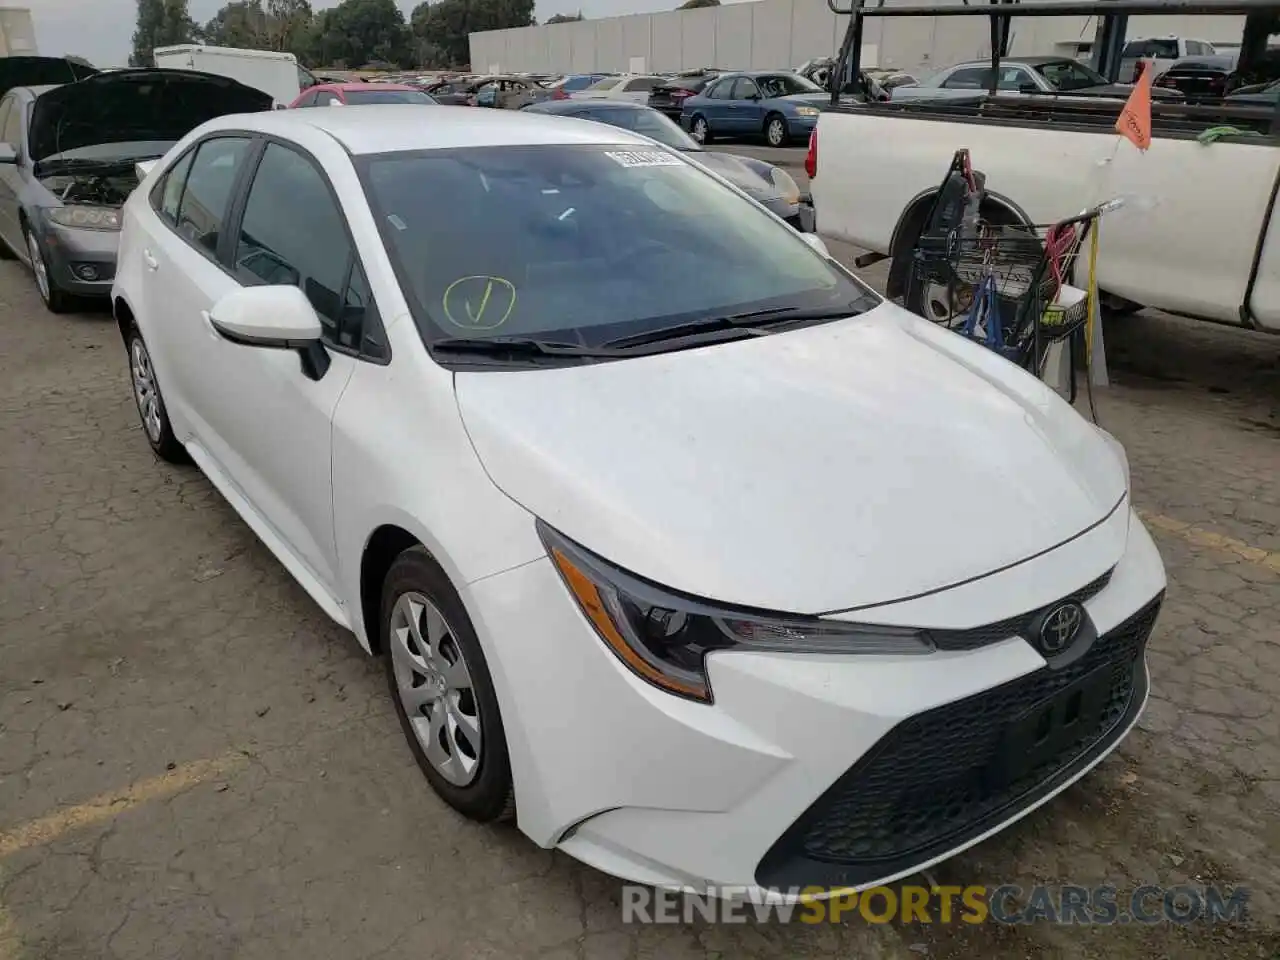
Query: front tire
[700,130]
[151,411]
[442,690]
[55,300]
[775,131]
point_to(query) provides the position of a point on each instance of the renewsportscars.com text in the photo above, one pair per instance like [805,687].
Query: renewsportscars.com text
[1006,904]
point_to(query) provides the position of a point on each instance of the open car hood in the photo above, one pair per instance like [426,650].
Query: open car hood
[125,105]
[40,72]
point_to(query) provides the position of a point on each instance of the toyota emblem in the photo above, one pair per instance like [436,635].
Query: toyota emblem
[1061,627]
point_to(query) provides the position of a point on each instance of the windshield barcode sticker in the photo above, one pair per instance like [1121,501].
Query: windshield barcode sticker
[643,158]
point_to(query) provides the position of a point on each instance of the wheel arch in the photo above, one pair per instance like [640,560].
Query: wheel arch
[996,208]
[386,543]
[123,313]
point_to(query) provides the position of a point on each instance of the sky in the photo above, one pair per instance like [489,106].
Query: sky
[101,30]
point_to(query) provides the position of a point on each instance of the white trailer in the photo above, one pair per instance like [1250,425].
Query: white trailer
[275,73]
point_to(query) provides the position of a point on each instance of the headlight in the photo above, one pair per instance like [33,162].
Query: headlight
[664,637]
[788,189]
[86,218]
[807,111]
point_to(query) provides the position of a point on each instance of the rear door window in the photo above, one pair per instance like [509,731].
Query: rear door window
[641,83]
[212,177]
[721,90]
[13,126]
[167,194]
[968,78]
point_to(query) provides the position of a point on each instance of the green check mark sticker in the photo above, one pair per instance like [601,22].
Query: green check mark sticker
[479,302]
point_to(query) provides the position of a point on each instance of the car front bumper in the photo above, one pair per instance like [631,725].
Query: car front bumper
[827,771]
[81,262]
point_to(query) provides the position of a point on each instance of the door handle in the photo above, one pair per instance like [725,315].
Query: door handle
[149,259]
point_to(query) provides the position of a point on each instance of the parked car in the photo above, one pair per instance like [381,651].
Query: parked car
[560,89]
[355,94]
[668,96]
[1018,76]
[640,494]
[458,91]
[779,106]
[1199,79]
[68,156]
[625,86]
[1161,53]
[765,182]
[1260,94]
[507,93]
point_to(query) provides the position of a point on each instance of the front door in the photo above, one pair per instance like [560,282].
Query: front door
[745,113]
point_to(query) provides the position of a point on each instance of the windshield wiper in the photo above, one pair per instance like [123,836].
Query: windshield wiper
[519,347]
[733,325]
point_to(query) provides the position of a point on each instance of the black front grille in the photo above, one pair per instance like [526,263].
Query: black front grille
[943,777]
[1019,626]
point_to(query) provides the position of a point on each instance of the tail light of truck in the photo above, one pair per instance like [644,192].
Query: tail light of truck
[811,158]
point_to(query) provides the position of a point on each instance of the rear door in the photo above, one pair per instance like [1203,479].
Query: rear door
[637,89]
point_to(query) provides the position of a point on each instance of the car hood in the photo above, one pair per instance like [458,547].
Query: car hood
[837,466]
[40,72]
[807,99]
[1122,91]
[125,105]
[746,173]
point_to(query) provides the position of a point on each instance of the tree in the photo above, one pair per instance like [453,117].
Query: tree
[242,23]
[695,4]
[289,25]
[446,25]
[359,31]
[566,18]
[160,23]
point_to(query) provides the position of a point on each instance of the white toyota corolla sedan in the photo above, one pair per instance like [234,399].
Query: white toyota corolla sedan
[680,544]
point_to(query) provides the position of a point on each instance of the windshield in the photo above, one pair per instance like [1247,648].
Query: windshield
[386,96]
[1070,75]
[785,84]
[650,123]
[585,244]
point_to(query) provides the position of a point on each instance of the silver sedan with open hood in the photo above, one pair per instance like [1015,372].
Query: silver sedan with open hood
[70,140]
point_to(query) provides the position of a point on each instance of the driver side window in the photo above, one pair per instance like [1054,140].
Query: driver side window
[294,233]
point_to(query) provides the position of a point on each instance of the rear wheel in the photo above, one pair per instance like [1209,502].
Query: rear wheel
[775,130]
[151,411]
[442,690]
[700,130]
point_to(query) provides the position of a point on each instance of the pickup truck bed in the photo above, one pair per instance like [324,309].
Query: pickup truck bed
[1197,236]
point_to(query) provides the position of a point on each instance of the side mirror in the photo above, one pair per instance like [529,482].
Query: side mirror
[273,317]
[1028,87]
[753,96]
[815,241]
[7,153]
[282,106]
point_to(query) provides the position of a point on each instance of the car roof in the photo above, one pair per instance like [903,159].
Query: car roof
[400,127]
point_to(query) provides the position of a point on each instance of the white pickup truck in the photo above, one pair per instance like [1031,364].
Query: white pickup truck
[1199,234]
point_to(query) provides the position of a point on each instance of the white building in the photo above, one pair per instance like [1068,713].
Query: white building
[17,33]
[774,34]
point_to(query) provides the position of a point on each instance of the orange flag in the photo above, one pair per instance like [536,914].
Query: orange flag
[1134,122]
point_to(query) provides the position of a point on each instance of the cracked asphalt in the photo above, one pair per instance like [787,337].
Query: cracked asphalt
[195,763]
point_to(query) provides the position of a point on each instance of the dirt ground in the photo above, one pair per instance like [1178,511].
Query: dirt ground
[195,763]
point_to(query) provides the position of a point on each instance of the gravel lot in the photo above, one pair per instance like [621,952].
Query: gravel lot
[195,763]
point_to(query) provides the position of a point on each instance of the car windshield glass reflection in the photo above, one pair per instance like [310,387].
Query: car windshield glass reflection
[586,243]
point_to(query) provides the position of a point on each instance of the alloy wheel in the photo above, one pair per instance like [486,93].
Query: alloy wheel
[699,130]
[777,132]
[145,391]
[435,688]
[38,266]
